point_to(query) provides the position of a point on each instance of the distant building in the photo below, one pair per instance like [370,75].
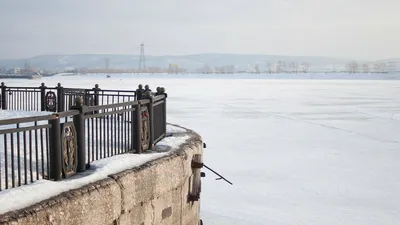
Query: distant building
[174,68]
[15,70]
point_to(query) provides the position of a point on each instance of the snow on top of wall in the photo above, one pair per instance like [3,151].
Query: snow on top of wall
[175,129]
[23,196]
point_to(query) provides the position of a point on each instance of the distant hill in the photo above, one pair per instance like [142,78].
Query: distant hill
[191,62]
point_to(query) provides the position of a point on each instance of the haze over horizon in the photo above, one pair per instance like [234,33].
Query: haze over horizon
[364,30]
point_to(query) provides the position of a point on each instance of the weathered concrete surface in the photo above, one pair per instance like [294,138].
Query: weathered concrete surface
[154,193]
[74,207]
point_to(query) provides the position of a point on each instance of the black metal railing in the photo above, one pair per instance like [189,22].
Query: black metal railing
[59,98]
[159,117]
[22,98]
[59,145]
[26,144]
[109,129]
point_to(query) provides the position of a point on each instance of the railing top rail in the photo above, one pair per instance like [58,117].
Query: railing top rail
[23,90]
[10,88]
[144,101]
[76,89]
[119,111]
[116,95]
[38,118]
[67,113]
[27,119]
[110,106]
[109,90]
[159,98]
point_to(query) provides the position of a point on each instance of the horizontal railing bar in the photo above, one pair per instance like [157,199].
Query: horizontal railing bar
[76,93]
[23,90]
[102,95]
[101,90]
[68,113]
[158,103]
[100,107]
[27,119]
[10,88]
[21,129]
[77,89]
[158,97]
[109,113]
[10,92]
[159,138]
[144,101]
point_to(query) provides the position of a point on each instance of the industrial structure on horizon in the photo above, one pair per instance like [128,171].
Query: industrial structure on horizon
[171,67]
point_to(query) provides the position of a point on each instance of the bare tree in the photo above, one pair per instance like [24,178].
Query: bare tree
[305,67]
[293,67]
[284,67]
[365,68]
[348,67]
[229,69]
[353,67]
[269,67]
[256,69]
[221,69]
[278,67]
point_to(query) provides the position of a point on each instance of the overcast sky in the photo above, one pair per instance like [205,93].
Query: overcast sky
[361,29]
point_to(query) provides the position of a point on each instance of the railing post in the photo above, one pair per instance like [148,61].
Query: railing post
[55,149]
[151,118]
[60,98]
[133,127]
[43,97]
[147,94]
[96,98]
[139,92]
[79,123]
[161,91]
[137,126]
[164,110]
[3,96]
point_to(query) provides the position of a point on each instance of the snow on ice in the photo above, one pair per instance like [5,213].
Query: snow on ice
[299,151]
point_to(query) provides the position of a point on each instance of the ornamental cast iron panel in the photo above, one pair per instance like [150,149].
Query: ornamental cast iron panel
[90,100]
[69,149]
[51,101]
[145,132]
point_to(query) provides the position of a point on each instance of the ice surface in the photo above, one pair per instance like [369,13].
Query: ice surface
[298,151]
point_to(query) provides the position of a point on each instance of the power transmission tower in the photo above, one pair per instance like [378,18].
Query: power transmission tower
[27,67]
[142,59]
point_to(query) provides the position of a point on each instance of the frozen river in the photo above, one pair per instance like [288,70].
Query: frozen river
[298,151]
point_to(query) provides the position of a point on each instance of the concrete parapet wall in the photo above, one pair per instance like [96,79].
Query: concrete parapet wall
[154,193]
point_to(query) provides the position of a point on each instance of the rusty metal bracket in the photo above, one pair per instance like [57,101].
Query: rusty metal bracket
[197,165]
[193,198]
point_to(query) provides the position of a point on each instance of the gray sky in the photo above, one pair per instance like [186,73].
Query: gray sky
[362,29]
